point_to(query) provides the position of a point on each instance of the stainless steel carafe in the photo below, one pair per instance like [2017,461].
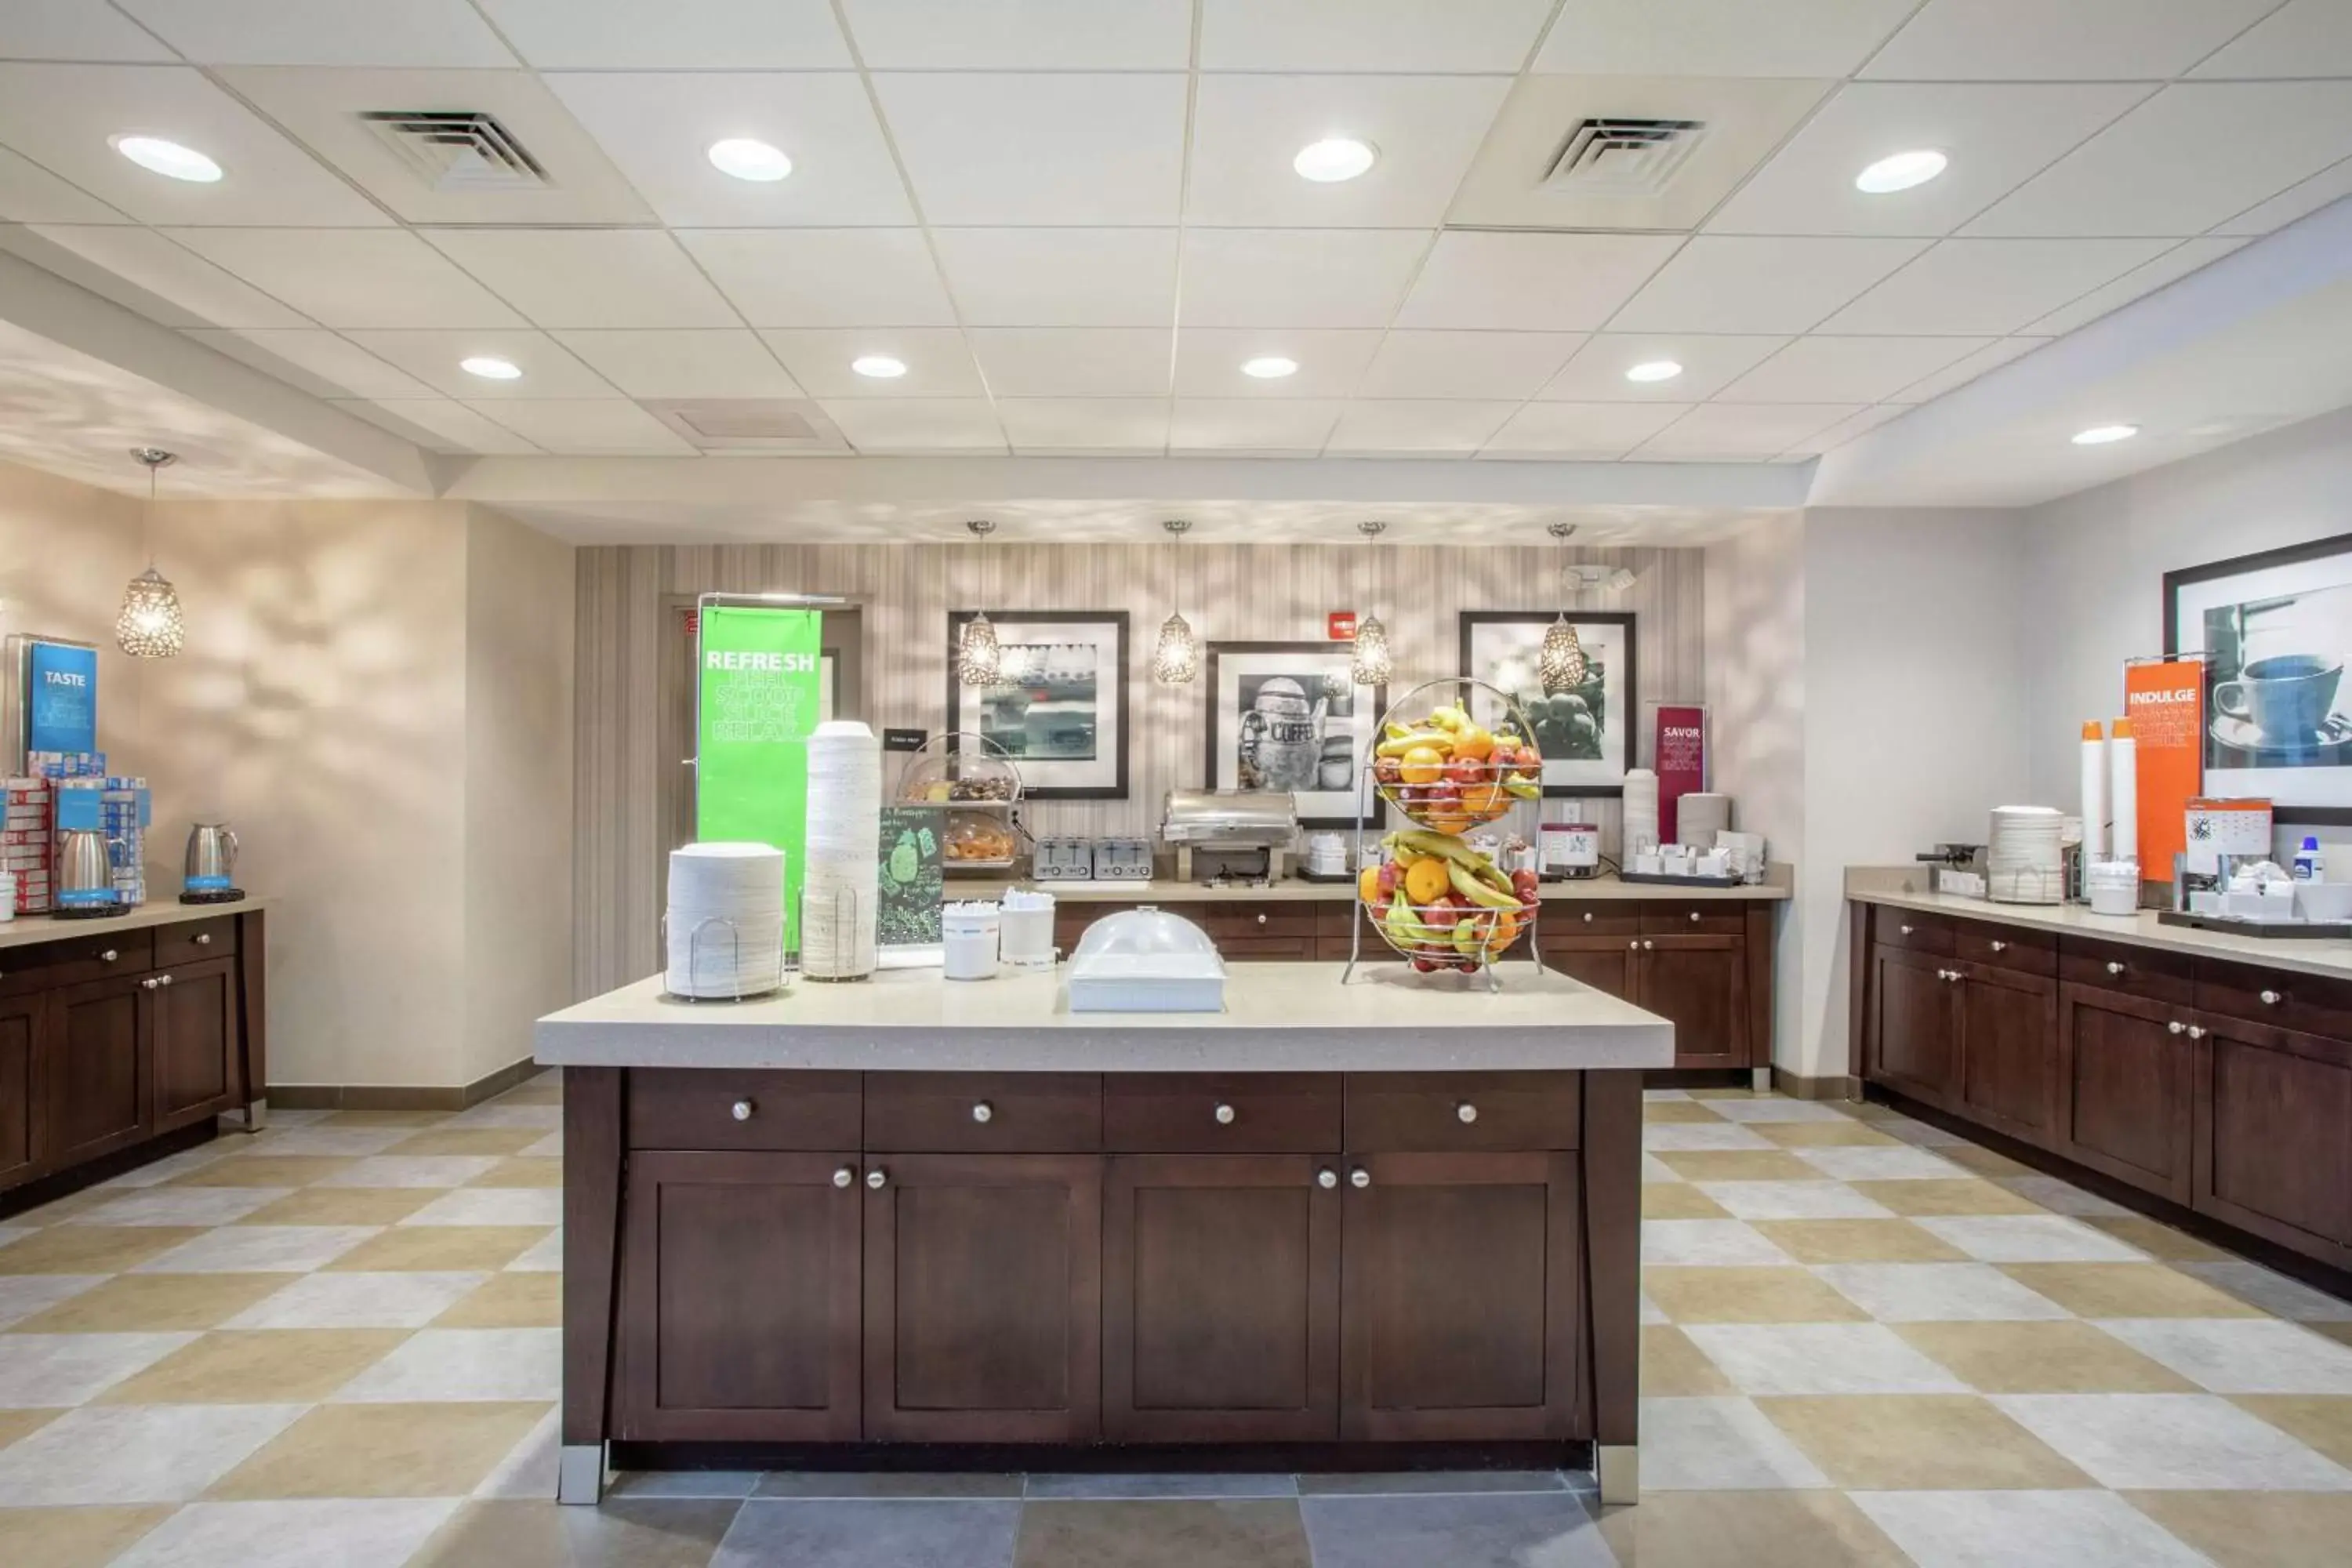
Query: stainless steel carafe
[211,858]
[85,875]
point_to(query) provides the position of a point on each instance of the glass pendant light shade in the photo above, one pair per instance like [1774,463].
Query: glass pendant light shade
[1372,663]
[149,626]
[979,659]
[1560,663]
[1176,657]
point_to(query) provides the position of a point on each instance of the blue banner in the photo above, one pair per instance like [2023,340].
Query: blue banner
[61,697]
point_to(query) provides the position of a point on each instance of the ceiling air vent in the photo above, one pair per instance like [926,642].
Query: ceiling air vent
[748,424]
[1620,157]
[457,150]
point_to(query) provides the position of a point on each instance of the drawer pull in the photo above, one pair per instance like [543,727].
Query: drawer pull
[1649,946]
[876,1179]
[2001,946]
[1694,916]
[1588,916]
[1224,1114]
[1465,1113]
[2272,998]
[2175,1026]
[741,1110]
[162,980]
[109,956]
[1360,1178]
[1634,945]
[1904,930]
[1260,917]
[147,983]
[984,1112]
[2115,966]
[204,939]
[844,1176]
[1327,1180]
[2195,1033]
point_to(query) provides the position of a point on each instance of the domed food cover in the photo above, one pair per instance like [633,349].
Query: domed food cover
[1145,961]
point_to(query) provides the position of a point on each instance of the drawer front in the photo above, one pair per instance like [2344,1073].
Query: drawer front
[1718,917]
[195,941]
[2006,947]
[1427,1110]
[1291,917]
[1565,919]
[981,1112]
[1910,929]
[695,1109]
[1216,1113]
[2310,1003]
[2145,971]
[100,956]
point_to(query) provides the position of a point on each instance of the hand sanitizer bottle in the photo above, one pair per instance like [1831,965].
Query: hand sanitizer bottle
[2308,861]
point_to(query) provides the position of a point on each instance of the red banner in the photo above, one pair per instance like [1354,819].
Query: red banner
[1681,752]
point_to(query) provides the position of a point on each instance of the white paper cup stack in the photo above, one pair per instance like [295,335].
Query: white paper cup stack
[1700,816]
[842,877]
[2025,861]
[724,933]
[1640,818]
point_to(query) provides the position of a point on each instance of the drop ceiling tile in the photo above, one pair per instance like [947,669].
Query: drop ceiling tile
[1047,426]
[919,423]
[1590,430]
[1725,283]
[61,116]
[444,426]
[1296,277]
[30,194]
[2181,162]
[2301,38]
[983,148]
[1997,136]
[1426,365]
[2298,200]
[1539,282]
[711,363]
[1073,362]
[1260,425]
[2081,40]
[1417,425]
[1989,287]
[1960,373]
[74,30]
[589,278]
[1060,277]
[1846,429]
[1717,37]
[335,362]
[147,260]
[583,426]
[712,35]
[938,363]
[1022,35]
[413,33]
[1743,432]
[1247,129]
[549,370]
[823,277]
[352,276]
[1596,373]
[1847,370]
[659,128]
[2146,278]
[1330,362]
[1369,34]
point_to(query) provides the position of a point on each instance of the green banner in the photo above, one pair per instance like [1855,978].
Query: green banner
[757,709]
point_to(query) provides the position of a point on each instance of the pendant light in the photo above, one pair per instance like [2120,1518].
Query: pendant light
[1373,663]
[979,659]
[1176,658]
[150,626]
[1560,663]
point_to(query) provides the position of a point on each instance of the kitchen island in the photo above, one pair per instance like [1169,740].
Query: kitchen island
[905,1221]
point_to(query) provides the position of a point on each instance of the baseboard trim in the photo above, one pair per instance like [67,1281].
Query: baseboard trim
[1831,1086]
[400,1097]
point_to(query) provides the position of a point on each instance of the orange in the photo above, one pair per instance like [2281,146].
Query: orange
[1507,932]
[1485,802]
[1422,765]
[1474,743]
[1426,881]
[1367,884]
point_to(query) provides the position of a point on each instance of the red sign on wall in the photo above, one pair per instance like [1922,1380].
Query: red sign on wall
[1682,762]
[1340,626]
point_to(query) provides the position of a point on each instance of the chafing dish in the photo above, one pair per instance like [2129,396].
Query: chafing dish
[1226,835]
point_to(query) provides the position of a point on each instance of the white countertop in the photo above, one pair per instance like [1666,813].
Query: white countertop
[26,929]
[1906,888]
[1780,881]
[1278,1018]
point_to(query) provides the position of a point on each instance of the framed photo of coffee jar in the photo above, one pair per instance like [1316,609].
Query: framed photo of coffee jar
[2276,630]
[1284,716]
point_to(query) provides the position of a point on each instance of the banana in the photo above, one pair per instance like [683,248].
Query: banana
[1397,745]
[1477,889]
[1522,788]
[1449,719]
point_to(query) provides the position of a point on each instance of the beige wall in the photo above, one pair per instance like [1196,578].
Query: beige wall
[67,551]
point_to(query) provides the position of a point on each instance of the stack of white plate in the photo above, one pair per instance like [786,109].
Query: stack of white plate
[724,933]
[2024,861]
[842,877]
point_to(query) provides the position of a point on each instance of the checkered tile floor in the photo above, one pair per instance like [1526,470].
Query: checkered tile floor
[1864,1341]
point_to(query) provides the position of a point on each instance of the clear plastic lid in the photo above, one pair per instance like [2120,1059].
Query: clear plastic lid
[1146,933]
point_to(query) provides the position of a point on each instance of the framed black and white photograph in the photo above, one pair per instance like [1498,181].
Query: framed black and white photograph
[1285,715]
[2276,630]
[1585,732]
[1059,704]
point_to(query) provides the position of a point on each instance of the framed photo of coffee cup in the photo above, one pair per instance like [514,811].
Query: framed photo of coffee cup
[1059,705]
[2276,630]
[1585,731]
[1285,715]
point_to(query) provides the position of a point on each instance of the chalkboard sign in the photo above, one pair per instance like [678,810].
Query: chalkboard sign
[906,909]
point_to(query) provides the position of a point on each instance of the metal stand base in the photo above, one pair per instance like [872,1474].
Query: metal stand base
[247,1119]
[1761,1080]
[579,1474]
[1618,1467]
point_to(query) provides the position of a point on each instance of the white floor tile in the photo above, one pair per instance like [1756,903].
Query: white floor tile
[1651,1312]
[9,1233]
[181,1206]
[1666,1094]
[493,1206]
[544,1256]
[529,1471]
[340,1533]
[2193,1442]
[135,1453]
[1667,1135]
[170,1168]
[48,1370]
[259,1249]
[329,1142]
[2031,1239]
[2061,1197]
[1657,1170]
[548,1148]
[464,1363]
[411,1171]
[548,1118]
[1794,1200]
[2024,1530]
[2275,1293]
[1779,1107]
[1707,1242]
[1919,1134]
[1879,1163]
[302,1118]
[2240,1355]
[22,1295]
[1819,1358]
[1938,1293]
[1718,1444]
[360,1300]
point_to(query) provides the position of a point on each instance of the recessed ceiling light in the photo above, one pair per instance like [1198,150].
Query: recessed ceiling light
[489,367]
[1655,369]
[2100,435]
[749,160]
[1333,159]
[1269,367]
[1900,172]
[168,158]
[882,367]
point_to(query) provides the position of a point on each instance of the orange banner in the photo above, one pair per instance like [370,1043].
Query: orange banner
[2165,703]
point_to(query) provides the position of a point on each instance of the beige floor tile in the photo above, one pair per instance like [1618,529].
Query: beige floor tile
[91,1248]
[1985,1161]
[2129,1290]
[385,1118]
[1726,1094]
[1737,1165]
[2340,1333]
[131,1303]
[15,1424]
[1677,1110]
[72,1537]
[518,1172]
[1820,1134]
[258,1366]
[2321,1421]
[1679,1200]
[626,1532]
[1920,1442]
[439,1247]
[344,1206]
[510,1301]
[383,1450]
[1873,1111]
[1673,1368]
[2042,1358]
[1747,1296]
[265,1171]
[2156,1238]
[1945,1196]
[2256,1529]
[445,1140]
[1746,1530]
[532,1094]
[1858,1241]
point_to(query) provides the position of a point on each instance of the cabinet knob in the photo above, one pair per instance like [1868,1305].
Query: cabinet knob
[2176,1026]
[877,1178]
[204,939]
[1260,917]
[162,980]
[2114,967]
[1694,916]
[1224,1114]
[2195,1032]
[1588,916]
[2272,998]
[2000,947]
[1360,1177]
[147,983]
[844,1176]
[1635,945]
[109,956]
[741,1110]
[1904,930]
[1465,1113]
[983,1111]
[1648,946]
[1327,1180]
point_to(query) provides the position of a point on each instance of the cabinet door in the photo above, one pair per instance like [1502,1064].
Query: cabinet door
[20,1026]
[194,1006]
[2008,1050]
[2274,1134]
[1220,1299]
[98,1040]
[1913,1024]
[2123,1089]
[984,1297]
[1460,1297]
[740,1282]
[1604,962]
[1700,984]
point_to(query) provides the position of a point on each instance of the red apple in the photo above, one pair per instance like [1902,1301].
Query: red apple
[1523,883]
[1441,916]
[1388,880]
[1465,771]
[1423,966]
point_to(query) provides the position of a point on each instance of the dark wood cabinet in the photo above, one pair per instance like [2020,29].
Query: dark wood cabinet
[2123,1089]
[2273,1136]
[2008,1033]
[20,1129]
[194,1052]
[1915,1023]
[1220,1299]
[97,1042]
[1607,963]
[1700,984]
